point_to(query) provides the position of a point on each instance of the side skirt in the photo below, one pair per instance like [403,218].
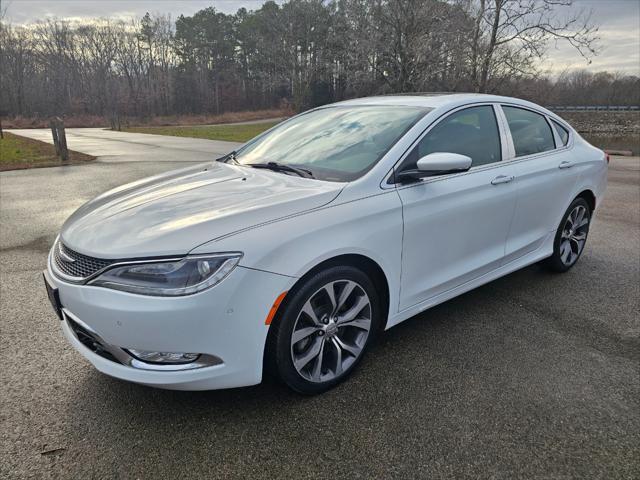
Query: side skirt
[545,250]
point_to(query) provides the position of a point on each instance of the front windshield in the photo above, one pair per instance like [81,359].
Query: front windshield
[338,143]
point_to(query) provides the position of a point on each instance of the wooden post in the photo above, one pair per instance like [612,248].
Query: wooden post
[3,113]
[54,133]
[62,140]
[115,121]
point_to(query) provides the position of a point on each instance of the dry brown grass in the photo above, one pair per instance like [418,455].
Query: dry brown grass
[161,121]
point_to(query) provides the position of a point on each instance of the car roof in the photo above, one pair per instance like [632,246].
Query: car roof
[436,100]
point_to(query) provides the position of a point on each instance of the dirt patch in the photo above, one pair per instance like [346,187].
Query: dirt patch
[41,244]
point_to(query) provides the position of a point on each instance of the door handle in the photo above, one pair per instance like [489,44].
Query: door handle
[565,164]
[502,179]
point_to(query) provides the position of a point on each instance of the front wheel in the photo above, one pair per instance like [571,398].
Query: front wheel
[571,236]
[324,329]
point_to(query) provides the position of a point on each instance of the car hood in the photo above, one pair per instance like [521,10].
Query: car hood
[173,213]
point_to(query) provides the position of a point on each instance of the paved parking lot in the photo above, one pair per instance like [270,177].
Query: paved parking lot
[532,376]
[121,147]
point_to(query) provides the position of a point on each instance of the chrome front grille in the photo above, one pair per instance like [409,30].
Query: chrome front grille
[76,265]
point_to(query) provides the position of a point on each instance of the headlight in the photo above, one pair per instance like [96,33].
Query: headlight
[169,278]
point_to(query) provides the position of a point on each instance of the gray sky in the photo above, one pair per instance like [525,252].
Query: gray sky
[619,22]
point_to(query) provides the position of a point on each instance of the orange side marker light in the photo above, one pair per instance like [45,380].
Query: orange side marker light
[274,308]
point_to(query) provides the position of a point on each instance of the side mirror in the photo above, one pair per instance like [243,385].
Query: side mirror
[439,163]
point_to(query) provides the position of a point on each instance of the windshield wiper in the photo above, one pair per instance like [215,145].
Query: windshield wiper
[281,167]
[229,156]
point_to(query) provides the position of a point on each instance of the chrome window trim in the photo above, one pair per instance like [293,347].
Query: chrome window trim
[440,178]
[504,148]
[557,141]
[505,133]
[557,148]
[553,122]
[534,156]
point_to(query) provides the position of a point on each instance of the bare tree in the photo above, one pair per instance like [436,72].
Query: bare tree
[300,52]
[511,36]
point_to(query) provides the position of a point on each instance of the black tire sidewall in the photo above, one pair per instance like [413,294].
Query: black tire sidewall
[281,346]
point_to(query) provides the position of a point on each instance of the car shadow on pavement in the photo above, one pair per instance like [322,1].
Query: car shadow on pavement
[462,383]
[119,399]
[448,316]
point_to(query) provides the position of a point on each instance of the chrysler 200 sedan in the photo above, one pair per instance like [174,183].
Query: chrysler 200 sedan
[290,254]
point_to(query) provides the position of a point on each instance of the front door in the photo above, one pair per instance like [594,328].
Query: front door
[456,225]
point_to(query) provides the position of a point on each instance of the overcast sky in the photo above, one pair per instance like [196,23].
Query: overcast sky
[619,22]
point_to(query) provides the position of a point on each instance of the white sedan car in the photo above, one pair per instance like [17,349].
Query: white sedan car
[291,253]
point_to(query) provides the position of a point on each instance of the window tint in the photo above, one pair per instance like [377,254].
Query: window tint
[472,132]
[530,131]
[562,132]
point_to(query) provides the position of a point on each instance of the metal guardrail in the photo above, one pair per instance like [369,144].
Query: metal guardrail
[589,108]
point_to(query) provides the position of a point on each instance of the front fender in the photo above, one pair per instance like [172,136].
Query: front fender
[370,226]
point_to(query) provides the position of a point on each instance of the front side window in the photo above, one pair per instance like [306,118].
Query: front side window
[336,143]
[562,132]
[472,132]
[530,131]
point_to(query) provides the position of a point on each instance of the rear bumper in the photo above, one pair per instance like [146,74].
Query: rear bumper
[224,324]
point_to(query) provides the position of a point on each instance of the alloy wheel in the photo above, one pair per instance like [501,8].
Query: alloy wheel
[574,235]
[331,331]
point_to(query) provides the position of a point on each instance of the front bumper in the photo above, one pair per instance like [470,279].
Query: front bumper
[225,324]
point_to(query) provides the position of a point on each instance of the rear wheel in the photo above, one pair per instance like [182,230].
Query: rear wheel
[571,236]
[325,329]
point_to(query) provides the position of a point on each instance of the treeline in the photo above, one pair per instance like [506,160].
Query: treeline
[300,53]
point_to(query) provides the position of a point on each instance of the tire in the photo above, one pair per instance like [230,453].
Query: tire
[329,342]
[568,234]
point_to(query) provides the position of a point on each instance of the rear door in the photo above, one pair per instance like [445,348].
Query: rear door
[456,225]
[546,178]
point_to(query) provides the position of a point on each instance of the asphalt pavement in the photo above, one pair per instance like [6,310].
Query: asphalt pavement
[535,375]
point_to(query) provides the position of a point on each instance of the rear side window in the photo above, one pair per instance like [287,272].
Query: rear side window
[472,132]
[562,132]
[530,131]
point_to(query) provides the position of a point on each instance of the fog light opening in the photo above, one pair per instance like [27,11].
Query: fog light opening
[164,358]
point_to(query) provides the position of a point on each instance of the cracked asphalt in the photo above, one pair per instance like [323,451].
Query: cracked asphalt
[535,375]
